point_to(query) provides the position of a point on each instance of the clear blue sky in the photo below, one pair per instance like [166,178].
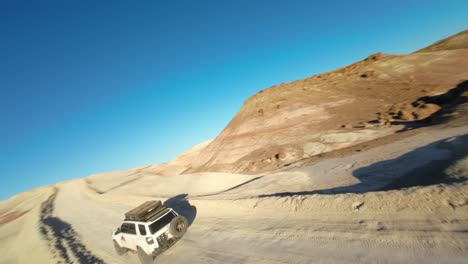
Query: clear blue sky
[95,86]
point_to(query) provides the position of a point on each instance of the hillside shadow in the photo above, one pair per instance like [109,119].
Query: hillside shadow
[448,102]
[65,237]
[435,172]
[405,171]
[182,206]
[232,188]
[62,239]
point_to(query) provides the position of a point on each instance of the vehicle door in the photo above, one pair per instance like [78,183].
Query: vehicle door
[141,238]
[128,235]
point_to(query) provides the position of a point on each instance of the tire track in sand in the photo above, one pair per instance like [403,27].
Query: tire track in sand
[62,239]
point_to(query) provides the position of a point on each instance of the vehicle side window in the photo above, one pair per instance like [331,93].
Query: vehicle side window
[128,228]
[124,228]
[142,230]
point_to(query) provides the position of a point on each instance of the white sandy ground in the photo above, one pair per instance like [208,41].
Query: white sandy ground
[240,219]
[23,233]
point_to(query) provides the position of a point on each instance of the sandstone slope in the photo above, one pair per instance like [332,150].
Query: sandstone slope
[293,121]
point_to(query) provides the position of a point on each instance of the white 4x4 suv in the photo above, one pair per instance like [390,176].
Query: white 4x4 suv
[149,229]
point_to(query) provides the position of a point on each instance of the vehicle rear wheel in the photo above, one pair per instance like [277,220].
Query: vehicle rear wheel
[118,249]
[178,226]
[144,258]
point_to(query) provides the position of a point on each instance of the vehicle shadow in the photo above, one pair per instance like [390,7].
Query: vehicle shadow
[427,165]
[182,206]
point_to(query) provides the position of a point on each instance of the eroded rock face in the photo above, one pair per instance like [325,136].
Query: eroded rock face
[292,121]
[180,164]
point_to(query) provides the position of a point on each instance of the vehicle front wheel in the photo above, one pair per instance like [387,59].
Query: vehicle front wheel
[144,258]
[118,249]
[178,226]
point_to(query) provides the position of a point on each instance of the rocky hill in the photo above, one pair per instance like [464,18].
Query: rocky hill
[293,121]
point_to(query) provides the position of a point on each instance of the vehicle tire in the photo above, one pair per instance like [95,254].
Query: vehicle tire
[178,226]
[144,258]
[118,249]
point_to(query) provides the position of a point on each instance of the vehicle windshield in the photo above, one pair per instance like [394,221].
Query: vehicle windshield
[163,221]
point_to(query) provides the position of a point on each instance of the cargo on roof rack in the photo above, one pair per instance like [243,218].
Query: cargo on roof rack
[145,211]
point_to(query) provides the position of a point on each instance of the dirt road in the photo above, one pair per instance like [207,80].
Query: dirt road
[261,237]
[401,202]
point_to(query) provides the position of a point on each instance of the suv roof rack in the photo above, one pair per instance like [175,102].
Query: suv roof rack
[145,211]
